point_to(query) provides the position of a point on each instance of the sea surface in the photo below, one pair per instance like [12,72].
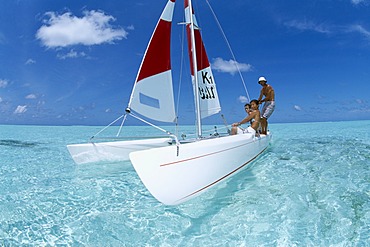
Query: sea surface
[311,187]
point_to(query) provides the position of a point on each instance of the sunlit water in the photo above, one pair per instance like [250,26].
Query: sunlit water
[311,187]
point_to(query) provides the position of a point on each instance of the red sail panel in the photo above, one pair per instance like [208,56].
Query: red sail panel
[157,58]
[202,58]
[186,3]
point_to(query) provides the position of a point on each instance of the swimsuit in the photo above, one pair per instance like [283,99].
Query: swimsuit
[268,109]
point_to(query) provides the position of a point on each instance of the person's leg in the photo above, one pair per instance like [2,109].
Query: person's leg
[263,119]
[264,125]
[233,130]
[267,111]
[251,130]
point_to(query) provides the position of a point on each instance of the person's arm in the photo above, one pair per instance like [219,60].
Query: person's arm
[245,120]
[261,95]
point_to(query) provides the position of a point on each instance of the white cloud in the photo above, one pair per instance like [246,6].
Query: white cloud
[71,54]
[243,99]
[356,2]
[359,29]
[20,109]
[31,96]
[3,83]
[30,61]
[65,30]
[131,27]
[230,66]
[1,100]
[297,108]
[328,29]
[308,25]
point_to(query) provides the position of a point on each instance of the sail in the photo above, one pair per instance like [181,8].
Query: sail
[209,103]
[152,95]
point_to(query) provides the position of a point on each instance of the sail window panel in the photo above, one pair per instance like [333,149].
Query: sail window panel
[153,97]
[149,101]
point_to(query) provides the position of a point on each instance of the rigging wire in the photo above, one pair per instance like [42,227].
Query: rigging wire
[180,78]
[231,51]
[120,127]
[122,116]
[149,123]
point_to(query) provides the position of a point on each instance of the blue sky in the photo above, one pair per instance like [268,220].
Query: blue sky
[74,62]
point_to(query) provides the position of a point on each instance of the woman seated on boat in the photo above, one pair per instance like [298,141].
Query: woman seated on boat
[253,116]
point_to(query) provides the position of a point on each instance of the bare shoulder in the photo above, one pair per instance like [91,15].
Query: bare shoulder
[253,113]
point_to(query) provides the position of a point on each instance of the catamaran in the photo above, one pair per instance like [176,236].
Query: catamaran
[175,170]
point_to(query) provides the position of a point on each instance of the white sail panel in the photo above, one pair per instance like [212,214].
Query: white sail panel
[153,98]
[208,97]
[167,13]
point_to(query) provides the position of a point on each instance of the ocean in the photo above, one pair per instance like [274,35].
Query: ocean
[311,187]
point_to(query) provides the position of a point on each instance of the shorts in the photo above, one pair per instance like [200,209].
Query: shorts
[268,109]
[247,130]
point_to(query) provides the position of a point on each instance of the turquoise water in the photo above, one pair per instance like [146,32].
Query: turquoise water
[311,187]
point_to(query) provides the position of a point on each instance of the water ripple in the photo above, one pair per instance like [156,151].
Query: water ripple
[310,188]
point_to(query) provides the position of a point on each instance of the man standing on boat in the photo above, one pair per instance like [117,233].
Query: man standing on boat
[269,106]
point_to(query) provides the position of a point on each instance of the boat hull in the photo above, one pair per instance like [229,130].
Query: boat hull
[112,151]
[175,174]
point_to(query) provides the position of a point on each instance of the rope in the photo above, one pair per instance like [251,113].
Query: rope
[231,51]
[180,79]
[120,127]
[148,123]
[225,123]
[108,126]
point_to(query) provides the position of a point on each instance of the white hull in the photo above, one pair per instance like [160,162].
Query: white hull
[112,151]
[176,174]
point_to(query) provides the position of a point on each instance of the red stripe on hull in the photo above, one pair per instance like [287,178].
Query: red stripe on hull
[213,183]
[204,155]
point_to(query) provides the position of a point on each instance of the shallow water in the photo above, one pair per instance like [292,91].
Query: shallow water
[311,187]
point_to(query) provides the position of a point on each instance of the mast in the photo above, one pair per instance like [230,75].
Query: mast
[195,69]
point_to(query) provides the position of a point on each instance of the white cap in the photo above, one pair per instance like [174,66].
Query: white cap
[262,79]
